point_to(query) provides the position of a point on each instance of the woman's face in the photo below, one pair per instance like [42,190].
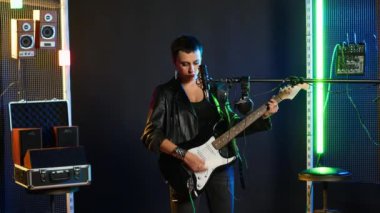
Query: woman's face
[187,65]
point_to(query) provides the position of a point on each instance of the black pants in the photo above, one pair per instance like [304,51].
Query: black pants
[219,192]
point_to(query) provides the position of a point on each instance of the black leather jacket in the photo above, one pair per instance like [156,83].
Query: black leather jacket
[172,116]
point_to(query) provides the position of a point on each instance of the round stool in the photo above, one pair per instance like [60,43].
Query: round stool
[324,175]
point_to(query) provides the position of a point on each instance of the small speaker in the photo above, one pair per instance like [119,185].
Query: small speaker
[46,28]
[24,139]
[54,157]
[22,38]
[66,136]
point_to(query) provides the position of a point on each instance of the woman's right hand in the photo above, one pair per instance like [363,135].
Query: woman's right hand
[194,162]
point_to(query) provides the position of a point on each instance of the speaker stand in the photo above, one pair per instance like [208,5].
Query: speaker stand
[52,193]
[52,203]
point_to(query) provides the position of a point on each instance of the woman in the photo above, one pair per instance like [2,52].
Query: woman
[182,115]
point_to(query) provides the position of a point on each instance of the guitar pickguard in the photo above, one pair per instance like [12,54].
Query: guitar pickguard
[213,160]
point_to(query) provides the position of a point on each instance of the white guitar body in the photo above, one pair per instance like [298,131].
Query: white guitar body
[212,159]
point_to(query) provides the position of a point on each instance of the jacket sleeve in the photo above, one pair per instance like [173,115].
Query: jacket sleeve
[258,126]
[153,134]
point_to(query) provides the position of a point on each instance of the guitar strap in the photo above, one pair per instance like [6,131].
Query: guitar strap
[226,114]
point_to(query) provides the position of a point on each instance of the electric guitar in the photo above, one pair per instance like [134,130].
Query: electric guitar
[185,181]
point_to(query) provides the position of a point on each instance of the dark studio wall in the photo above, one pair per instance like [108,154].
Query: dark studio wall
[120,52]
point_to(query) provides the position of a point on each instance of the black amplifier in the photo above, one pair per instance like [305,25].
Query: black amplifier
[52,177]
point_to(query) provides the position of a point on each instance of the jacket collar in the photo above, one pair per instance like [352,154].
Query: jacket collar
[180,95]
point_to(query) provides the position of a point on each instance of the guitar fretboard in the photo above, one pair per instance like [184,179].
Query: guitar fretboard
[226,137]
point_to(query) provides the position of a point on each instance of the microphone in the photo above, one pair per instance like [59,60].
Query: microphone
[204,78]
[245,104]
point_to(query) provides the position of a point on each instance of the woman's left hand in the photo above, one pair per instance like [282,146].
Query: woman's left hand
[272,108]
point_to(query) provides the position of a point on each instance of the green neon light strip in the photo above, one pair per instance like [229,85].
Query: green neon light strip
[319,70]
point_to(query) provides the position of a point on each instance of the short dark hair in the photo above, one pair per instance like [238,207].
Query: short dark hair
[185,43]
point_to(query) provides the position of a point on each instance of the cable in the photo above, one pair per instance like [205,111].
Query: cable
[268,91]
[244,158]
[6,89]
[192,202]
[360,118]
[318,163]
[331,68]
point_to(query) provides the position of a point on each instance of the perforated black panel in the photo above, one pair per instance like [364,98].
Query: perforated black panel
[32,79]
[352,112]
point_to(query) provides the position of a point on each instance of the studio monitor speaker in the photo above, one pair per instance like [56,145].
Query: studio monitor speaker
[24,139]
[66,136]
[22,38]
[46,28]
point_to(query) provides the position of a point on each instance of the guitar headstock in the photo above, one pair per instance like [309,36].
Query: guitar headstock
[290,91]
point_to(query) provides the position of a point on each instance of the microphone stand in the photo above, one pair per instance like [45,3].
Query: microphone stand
[296,80]
[293,80]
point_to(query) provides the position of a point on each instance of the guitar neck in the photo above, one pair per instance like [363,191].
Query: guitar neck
[226,137]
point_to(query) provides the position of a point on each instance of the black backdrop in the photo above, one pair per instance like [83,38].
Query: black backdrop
[120,52]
